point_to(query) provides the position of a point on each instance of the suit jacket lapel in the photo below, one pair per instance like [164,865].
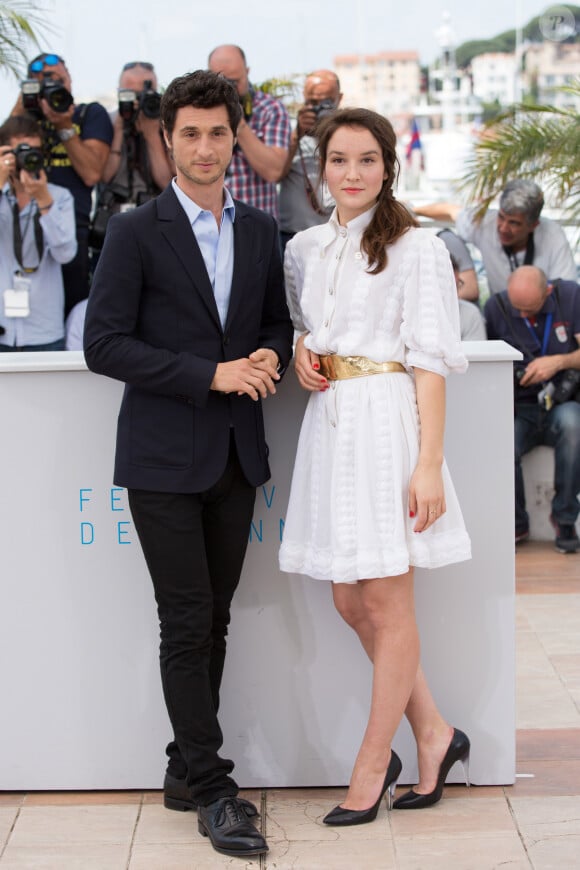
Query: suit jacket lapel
[177,230]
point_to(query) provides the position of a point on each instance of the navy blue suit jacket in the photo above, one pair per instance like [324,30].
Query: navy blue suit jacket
[153,323]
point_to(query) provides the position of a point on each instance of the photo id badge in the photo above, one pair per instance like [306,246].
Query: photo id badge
[17,298]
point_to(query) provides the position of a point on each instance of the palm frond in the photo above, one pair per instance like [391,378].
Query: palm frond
[21,23]
[537,142]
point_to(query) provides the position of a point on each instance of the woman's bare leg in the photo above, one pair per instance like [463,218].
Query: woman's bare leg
[382,612]
[431,731]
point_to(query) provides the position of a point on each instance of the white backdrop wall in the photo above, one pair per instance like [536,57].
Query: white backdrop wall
[82,703]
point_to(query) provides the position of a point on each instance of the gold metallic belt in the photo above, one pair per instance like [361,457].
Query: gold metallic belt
[337,368]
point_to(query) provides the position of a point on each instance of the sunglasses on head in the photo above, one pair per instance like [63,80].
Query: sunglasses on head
[38,64]
[133,63]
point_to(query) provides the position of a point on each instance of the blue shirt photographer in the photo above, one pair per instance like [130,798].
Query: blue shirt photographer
[45,323]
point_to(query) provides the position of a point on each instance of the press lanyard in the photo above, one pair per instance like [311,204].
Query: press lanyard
[18,238]
[546,336]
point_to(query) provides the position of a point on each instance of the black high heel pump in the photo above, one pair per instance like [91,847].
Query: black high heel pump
[459,750]
[341,816]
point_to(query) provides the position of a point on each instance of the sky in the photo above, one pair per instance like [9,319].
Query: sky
[280,37]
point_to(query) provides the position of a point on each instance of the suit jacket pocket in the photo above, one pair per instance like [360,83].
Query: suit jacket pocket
[160,432]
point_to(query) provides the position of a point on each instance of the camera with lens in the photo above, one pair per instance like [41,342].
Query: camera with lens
[322,109]
[147,101]
[28,158]
[55,94]
[567,386]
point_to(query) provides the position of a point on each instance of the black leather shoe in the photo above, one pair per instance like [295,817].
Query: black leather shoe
[459,750]
[226,824]
[177,796]
[341,816]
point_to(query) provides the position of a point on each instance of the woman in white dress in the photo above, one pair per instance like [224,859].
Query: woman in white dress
[374,300]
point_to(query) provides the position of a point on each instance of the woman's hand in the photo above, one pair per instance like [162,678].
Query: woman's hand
[307,365]
[426,496]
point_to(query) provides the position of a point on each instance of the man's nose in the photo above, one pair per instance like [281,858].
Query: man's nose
[205,145]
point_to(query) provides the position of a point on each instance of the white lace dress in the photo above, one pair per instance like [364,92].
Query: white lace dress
[348,514]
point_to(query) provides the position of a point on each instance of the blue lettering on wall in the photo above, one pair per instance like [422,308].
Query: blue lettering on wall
[258,532]
[115,499]
[83,498]
[122,532]
[281,529]
[271,499]
[87,533]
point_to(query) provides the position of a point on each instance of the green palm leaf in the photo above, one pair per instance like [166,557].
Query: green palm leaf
[20,23]
[537,142]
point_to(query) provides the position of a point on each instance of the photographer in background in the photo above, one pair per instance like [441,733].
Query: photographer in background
[77,140]
[303,202]
[37,235]
[542,320]
[138,166]
[263,135]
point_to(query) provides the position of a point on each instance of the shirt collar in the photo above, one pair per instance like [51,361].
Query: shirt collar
[193,210]
[354,228]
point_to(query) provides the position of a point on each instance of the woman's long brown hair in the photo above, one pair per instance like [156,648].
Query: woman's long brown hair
[391,219]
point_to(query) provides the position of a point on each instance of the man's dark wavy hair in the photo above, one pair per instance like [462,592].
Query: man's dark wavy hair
[201,89]
[20,127]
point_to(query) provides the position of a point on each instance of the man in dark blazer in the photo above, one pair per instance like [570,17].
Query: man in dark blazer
[187,308]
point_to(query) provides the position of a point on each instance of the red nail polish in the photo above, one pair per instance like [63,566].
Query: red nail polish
[411,513]
[316,366]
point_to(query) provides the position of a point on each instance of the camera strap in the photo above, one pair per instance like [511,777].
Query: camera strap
[18,237]
[528,256]
[310,192]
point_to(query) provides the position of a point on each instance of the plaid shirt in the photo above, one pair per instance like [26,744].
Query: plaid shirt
[271,124]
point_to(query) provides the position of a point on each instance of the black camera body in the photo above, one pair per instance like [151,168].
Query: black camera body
[323,109]
[55,94]
[567,386]
[147,101]
[28,158]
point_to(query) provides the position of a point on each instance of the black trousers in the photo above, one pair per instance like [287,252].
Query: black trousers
[194,545]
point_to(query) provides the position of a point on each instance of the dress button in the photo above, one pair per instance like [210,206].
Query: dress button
[326,322]
[342,231]
[358,255]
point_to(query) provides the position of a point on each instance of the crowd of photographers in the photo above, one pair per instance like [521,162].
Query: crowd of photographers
[66,168]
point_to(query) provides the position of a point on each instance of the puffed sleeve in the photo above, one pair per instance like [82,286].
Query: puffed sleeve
[430,325]
[294,279]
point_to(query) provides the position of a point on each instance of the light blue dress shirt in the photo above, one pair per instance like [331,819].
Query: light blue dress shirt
[216,245]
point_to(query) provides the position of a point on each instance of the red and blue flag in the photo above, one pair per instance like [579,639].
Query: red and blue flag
[414,143]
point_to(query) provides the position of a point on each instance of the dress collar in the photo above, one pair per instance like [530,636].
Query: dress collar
[354,229]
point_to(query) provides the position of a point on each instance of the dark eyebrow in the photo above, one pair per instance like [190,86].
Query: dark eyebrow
[364,153]
[190,128]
